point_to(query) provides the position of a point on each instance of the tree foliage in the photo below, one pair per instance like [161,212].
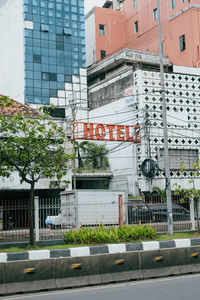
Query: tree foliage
[91,155]
[33,147]
[191,192]
[161,192]
[5,101]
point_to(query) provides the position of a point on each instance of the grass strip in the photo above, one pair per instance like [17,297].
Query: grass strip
[159,237]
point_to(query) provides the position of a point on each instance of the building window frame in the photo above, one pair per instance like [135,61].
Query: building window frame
[44,27]
[45,76]
[101,29]
[155,14]
[135,26]
[182,43]
[102,54]
[134,3]
[37,58]
[173,4]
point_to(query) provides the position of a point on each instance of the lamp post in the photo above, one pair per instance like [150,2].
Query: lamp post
[165,133]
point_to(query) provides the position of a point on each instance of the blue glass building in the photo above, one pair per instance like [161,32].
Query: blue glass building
[54,48]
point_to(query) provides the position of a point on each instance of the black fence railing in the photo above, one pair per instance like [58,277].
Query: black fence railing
[53,219]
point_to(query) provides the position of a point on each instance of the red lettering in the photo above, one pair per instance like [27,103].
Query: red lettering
[111,128]
[88,132]
[120,133]
[128,137]
[103,132]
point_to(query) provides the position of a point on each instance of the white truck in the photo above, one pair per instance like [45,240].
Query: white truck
[91,207]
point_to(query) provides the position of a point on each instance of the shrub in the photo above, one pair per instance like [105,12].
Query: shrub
[101,234]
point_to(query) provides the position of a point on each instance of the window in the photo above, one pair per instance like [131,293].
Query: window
[101,29]
[55,112]
[67,31]
[49,76]
[59,42]
[37,58]
[53,93]
[68,78]
[102,53]
[58,113]
[102,76]
[173,4]
[134,3]
[182,42]
[59,38]
[179,158]
[59,46]
[45,76]
[155,14]
[44,27]
[52,77]
[136,26]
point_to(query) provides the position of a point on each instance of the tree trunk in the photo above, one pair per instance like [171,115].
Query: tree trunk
[31,216]
[80,162]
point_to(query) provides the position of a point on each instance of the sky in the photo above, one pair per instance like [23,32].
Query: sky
[89,4]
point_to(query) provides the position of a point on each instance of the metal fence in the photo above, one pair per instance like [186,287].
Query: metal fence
[50,224]
[14,224]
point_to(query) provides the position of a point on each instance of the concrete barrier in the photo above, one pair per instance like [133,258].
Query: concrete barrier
[27,276]
[75,267]
[2,279]
[77,271]
[189,260]
[159,263]
[119,267]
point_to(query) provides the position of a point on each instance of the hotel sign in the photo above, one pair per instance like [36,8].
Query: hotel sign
[106,132]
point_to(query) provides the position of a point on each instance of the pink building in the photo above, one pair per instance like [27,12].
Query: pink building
[133,24]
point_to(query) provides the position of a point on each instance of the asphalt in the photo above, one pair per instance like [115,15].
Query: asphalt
[173,288]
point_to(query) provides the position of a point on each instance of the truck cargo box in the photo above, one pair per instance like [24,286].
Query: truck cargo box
[92,207]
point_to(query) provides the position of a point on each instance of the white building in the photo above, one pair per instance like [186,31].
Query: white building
[125,89]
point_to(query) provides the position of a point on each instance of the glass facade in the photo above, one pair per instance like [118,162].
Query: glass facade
[54,48]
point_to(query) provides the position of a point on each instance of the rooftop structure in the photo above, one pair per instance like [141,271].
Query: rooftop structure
[134,24]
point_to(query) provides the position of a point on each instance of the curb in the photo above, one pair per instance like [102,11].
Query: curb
[96,250]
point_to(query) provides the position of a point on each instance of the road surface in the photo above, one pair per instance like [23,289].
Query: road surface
[173,288]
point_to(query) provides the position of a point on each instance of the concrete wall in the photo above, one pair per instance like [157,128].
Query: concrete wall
[12,49]
[122,156]
[90,36]
[174,24]
[182,108]
[13,183]
[114,30]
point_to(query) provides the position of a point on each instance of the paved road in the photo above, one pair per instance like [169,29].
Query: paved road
[173,288]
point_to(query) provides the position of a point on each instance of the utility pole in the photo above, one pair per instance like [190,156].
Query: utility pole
[148,139]
[165,134]
[73,108]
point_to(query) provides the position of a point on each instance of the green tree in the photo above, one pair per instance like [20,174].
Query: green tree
[5,101]
[80,150]
[161,192]
[190,192]
[33,147]
[95,156]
